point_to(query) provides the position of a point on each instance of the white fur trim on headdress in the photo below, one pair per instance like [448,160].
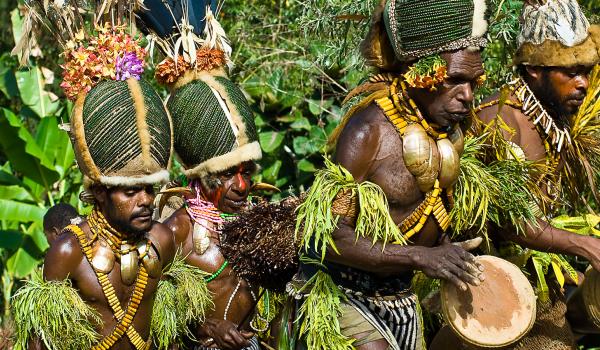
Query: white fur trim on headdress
[480,25]
[161,176]
[218,164]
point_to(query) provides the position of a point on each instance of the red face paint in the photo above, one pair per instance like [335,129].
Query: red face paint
[240,178]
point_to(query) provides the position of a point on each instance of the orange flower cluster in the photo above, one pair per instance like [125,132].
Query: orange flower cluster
[88,62]
[168,73]
[428,81]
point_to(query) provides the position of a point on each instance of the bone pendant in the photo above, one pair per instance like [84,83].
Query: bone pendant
[103,258]
[200,237]
[416,149]
[129,265]
[449,163]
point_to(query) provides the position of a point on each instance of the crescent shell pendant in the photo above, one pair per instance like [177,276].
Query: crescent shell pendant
[427,179]
[449,163]
[103,258]
[416,147]
[200,237]
[458,140]
[129,264]
[152,263]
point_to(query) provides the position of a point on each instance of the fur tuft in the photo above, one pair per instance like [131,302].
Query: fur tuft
[113,181]
[216,165]
[480,24]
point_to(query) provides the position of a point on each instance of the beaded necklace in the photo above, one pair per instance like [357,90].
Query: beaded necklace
[125,317]
[402,112]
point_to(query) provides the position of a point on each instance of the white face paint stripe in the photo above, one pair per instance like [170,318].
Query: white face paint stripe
[234,127]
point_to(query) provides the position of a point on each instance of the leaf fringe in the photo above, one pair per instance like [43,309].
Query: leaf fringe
[182,298]
[316,222]
[319,315]
[55,312]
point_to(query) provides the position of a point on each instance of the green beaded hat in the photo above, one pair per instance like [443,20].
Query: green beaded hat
[213,123]
[120,129]
[419,28]
[122,134]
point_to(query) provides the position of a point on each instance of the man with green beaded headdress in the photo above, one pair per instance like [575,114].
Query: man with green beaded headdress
[102,276]
[547,119]
[216,141]
[379,211]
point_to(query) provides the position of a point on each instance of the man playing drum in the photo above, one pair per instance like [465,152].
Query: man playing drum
[394,168]
[557,49]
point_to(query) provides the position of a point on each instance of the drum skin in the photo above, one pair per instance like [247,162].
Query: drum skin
[496,313]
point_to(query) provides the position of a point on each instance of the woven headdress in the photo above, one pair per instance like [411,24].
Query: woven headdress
[413,29]
[120,130]
[556,33]
[213,124]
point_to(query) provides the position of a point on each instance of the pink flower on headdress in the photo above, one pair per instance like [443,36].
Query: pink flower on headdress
[129,66]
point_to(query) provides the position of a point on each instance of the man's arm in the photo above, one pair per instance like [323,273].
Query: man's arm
[357,151]
[546,238]
[60,262]
[162,234]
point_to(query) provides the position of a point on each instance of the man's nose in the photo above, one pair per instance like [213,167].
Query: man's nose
[582,82]
[465,94]
[239,184]
[146,198]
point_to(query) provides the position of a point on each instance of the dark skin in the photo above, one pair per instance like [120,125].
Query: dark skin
[128,210]
[230,197]
[568,85]
[561,90]
[371,149]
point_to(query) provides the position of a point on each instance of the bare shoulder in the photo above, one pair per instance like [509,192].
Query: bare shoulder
[509,115]
[162,234]
[179,224]
[63,257]
[359,141]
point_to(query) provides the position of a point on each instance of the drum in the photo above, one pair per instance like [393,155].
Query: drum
[494,314]
[583,310]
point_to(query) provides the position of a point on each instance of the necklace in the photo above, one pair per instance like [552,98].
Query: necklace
[553,137]
[107,245]
[432,157]
[206,218]
[538,115]
[125,317]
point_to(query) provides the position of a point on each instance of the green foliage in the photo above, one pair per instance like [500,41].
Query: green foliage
[55,312]
[316,220]
[182,299]
[319,315]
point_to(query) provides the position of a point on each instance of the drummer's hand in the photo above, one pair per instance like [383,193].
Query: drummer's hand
[225,335]
[453,262]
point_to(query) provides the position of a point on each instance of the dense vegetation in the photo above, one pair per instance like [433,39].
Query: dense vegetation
[296,59]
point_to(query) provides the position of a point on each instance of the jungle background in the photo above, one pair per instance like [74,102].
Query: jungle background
[295,59]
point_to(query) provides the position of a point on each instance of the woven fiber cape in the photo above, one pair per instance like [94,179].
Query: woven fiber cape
[122,134]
